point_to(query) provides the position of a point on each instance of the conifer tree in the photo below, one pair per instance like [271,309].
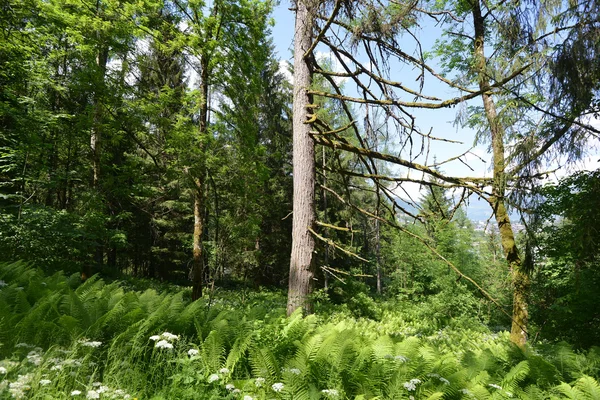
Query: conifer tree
[303,244]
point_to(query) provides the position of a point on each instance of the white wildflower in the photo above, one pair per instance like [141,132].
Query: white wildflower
[213,378]
[236,391]
[193,352]
[92,344]
[103,389]
[97,384]
[75,392]
[92,394]
[278,387]
[3,371]
[248,397]
[126,397]
[17,389]
[441,378]
[45,382]
[330,392]
[295,371]
[163,344]
[259,382]
[34,357]
[154,337]
[169,336]
[57,367]
[411,386]
[224,371]
[495,386]
[230,386]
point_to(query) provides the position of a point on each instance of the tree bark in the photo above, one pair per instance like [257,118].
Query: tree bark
[197,252]
[95,141]
[303,244]
[519,278]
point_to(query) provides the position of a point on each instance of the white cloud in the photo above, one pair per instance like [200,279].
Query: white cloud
[334,64]
[284,69]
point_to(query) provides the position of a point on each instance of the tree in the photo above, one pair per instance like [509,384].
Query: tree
[303,244]
[375,30]
[211,33]
[567,254]
[116,73]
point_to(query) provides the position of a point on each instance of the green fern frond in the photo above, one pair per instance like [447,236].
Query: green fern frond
[589,388]
[240,347]
[213,352]
[515,376]
[569,392]
[263,363]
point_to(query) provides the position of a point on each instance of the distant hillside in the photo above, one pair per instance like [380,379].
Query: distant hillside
[477,209]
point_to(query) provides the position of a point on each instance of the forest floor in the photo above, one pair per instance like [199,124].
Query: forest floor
[62,339]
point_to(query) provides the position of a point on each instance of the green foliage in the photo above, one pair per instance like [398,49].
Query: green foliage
[152,345]
[566,307]
[57,239]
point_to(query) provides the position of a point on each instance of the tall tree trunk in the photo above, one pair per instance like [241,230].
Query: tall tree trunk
[198,257]
[95,138]
[303,244]
[325,219]
[378,253]
[519,277]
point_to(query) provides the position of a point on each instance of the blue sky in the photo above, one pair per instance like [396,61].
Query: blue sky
[439,121]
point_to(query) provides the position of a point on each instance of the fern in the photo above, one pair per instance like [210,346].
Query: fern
[263,363]
[515,376]
[588,387]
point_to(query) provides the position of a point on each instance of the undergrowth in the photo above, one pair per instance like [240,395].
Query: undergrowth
[63,339]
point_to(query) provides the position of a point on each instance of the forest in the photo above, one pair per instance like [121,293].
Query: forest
[194,205]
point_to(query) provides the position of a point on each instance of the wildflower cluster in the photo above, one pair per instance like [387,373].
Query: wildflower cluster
[18,388]
[411,385]
[294,371]
[35,356]
[163,341]
[277,387]
[88,343]
[440,378]
[99,390]
[330,392]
